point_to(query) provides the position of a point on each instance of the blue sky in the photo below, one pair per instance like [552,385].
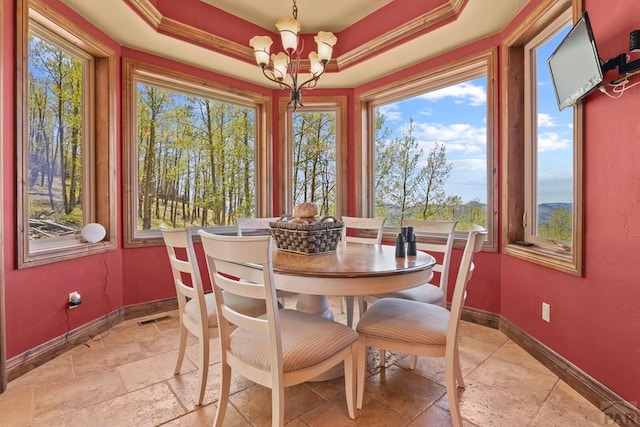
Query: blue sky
[456,116]
[555,134]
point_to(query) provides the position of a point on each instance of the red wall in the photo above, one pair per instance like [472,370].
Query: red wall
[595,319]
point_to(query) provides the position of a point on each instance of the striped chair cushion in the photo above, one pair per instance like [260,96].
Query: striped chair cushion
[307,340]
[405,321]
[427,293]
[249,306]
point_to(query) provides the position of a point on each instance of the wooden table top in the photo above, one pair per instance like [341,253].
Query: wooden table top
[350,260]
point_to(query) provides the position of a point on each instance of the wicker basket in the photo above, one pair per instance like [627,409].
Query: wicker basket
[308,239]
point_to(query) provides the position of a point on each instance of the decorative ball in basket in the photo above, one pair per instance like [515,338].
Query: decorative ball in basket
[305,232]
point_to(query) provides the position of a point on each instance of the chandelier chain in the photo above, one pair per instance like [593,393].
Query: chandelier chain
[295,10]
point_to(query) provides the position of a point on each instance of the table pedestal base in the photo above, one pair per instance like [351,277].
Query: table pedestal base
[314,304]
[319,305]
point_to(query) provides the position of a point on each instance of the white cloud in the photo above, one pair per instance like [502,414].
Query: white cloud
[464,148]
[463,93]
[551,141]
[453,133]
[391,112]
[546,120]
[474,165]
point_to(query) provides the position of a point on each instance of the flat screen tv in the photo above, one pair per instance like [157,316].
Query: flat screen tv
[574,65]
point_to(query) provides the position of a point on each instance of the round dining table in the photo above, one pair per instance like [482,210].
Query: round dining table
[353,269]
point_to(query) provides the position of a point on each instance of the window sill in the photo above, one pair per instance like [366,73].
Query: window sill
[459,239]
[48,254]
[154,237]
[561,261]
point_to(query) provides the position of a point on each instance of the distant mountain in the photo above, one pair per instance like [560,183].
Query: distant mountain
[544,210]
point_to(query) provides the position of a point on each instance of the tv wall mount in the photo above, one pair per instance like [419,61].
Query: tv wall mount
[620,61]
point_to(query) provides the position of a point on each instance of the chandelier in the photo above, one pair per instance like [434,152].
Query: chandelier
[276,67]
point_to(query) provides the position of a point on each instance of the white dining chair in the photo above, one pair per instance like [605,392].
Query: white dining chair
[261,226]
[421,329]
[360,230]
[248,225]
[196,309]
[281,348]
[440,235]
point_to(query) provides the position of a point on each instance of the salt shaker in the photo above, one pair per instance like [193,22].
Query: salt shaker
[400,242]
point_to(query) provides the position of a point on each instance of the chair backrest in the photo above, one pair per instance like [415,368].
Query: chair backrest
[372,224]
[476,237]
[443,231]
[254,224]
[182,256]
[232,262]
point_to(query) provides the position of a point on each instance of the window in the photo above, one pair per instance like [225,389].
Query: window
[193,153]
[548,147]
[65,137]
[431,151]
[543,148]
[313,146]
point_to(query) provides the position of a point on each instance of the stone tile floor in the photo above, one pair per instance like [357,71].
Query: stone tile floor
[125,378]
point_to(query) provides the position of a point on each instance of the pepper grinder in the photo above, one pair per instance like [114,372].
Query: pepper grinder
[412,248]
[405,231]
[400,242]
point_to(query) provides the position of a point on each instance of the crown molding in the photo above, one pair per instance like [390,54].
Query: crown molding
[378,44]
[417,25]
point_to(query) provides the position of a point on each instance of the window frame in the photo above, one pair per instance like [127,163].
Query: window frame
[136,71]
[99,200]
[337,104]
[484,63]
[516,125]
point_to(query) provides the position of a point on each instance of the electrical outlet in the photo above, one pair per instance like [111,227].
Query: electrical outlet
[74,299]
[546,312]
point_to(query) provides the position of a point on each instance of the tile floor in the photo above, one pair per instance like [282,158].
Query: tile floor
[125,378]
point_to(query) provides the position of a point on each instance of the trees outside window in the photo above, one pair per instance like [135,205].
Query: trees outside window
[194,153]
[195,160]
[314,159]
[313,144]
[56,124]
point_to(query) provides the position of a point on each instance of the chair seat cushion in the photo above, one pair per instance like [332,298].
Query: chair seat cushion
[249,306]
[405,321]
[427,293]
[307,340]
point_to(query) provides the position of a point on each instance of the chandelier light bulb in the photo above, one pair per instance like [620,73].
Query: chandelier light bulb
[261,47]
[325,41]
[315,65]
[289,29]
[280,65]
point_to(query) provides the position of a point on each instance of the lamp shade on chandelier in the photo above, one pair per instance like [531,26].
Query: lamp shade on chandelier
[284,67]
